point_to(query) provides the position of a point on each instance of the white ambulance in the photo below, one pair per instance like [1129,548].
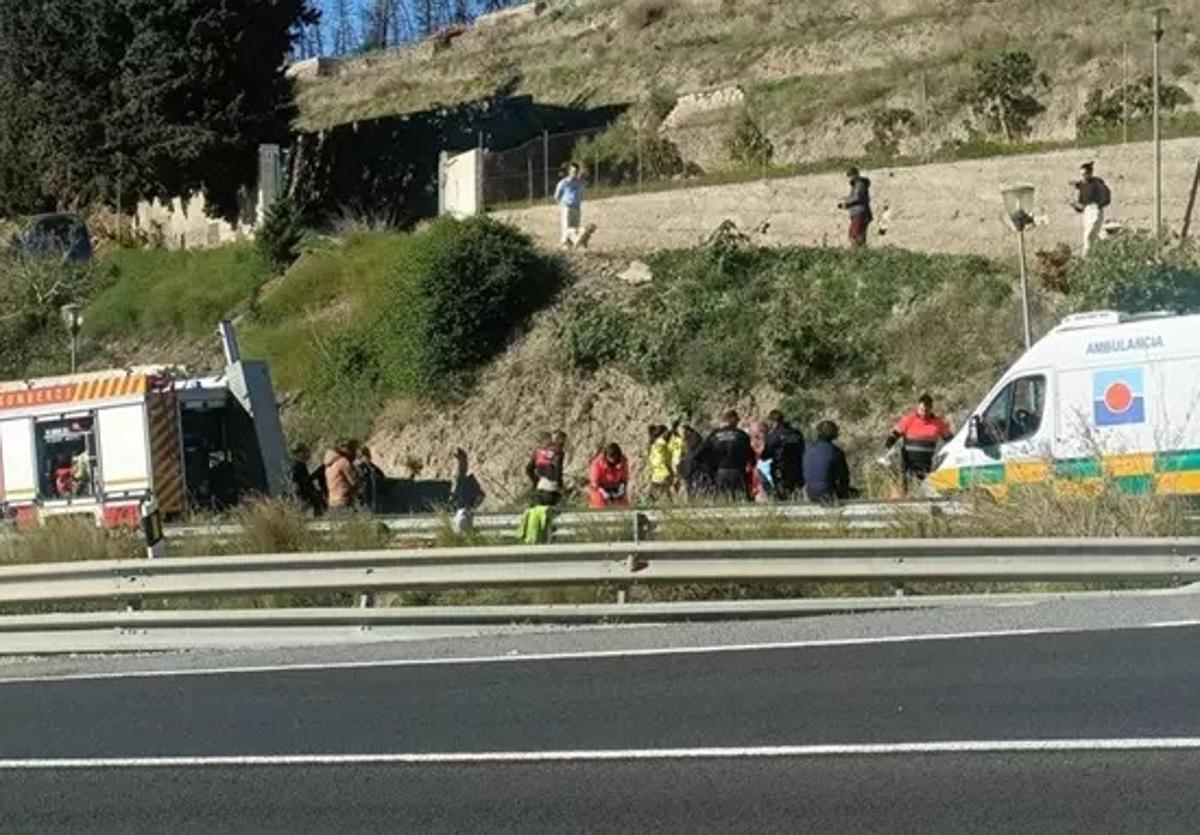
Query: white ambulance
[1104,399]
[100,443]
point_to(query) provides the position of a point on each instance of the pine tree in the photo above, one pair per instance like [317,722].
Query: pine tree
[180,91]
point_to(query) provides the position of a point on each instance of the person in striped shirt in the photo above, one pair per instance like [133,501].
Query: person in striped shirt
[919,432]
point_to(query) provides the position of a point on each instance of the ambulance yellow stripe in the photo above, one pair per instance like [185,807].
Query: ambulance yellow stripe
[1117,466]
[1186,482]
[1027,472]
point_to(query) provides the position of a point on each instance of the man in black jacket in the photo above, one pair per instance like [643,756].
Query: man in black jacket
[858,205]
[731,455]
[826,472]
[784,448]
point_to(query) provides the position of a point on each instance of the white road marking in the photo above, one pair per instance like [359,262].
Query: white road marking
[516,658]
[1003,746]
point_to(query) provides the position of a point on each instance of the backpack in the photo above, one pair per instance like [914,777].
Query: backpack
[1103,195]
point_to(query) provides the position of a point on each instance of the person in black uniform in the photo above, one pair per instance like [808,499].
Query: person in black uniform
[784,448]
[308,485]
[826,472]
[732,456]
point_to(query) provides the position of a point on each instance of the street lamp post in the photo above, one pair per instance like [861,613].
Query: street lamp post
[1018,211]
[72,315]
[1156,21]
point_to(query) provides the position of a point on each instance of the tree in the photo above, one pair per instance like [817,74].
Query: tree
[748,145]
[1106,110]
[1004,91]
[142,97]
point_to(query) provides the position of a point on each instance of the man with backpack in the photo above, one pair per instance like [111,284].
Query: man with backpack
[1093,198]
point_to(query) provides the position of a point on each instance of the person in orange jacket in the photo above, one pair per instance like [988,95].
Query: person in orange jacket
[920,432]
[608,479]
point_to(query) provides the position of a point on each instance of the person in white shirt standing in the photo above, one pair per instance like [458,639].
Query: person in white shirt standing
[1091,202]
[568,194]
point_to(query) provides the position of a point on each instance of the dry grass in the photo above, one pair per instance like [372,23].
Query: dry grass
[885,55]
[69,538]
[278,527]
[638,14]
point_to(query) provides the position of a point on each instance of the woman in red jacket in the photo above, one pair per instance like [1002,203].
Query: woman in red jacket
[608,479]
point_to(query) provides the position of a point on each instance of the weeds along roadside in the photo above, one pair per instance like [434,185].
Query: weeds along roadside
[279,527]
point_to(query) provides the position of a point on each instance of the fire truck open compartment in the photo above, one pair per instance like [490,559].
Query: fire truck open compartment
[222,463]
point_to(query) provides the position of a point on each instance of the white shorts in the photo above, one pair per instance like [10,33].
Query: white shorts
[572,222]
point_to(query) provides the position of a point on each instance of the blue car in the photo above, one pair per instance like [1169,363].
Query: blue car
[54,235]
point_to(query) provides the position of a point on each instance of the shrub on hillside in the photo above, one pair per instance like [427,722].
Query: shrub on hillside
[639,14]
[1004,93]
[281,233]
[1107,109]
[595,334]
[888,127]
[1125,274]
[722,320]
[32,293]
[613,156]
[748,145]
[450,303]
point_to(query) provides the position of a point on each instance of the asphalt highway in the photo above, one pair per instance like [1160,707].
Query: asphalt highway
[882,735]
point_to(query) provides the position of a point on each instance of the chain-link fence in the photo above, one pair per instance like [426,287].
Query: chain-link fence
[623,155]
[530,171]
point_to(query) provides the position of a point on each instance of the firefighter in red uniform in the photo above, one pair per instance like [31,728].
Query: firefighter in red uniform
[608,479]
[920,431]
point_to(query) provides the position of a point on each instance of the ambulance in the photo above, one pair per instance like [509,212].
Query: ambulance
[1106,399]
[102,443]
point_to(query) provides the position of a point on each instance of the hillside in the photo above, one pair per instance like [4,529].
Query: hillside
[463,334]
[819,78]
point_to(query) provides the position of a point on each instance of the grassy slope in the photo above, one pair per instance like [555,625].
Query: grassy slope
[152,296]
[697,339]
[809,67]
[852,336]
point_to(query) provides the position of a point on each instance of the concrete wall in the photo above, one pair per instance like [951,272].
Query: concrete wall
[949,207]
[461,183]
[183,223]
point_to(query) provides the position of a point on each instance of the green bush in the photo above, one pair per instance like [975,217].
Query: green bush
[748,145]
[449,303]
[595,334]
[611,157]
[1125,274]
[1004,93]
[33,339]
[723,320]
[888,127]
[1108,109]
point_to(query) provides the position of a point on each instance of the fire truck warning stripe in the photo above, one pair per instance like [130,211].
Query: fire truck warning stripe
[164,452]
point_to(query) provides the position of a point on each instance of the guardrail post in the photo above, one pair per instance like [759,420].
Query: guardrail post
[641,527]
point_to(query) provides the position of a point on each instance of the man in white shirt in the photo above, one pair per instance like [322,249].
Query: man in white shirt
[1094,197]
[568,194]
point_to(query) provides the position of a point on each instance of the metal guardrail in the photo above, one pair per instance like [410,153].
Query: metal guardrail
[617,565]
[568,524]
[620,565]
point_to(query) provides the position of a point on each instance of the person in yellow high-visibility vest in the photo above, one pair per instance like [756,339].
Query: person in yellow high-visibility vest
[662,474]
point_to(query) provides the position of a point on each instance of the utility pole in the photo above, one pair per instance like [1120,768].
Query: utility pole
[1125,93]
[1156,16]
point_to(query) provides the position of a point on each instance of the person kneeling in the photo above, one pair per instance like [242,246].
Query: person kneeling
[826,473]
[608,479]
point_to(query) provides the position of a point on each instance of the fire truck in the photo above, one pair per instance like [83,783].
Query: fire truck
[103,443]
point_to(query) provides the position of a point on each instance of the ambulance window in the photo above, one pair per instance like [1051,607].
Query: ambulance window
[66,457]
[1015,414]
